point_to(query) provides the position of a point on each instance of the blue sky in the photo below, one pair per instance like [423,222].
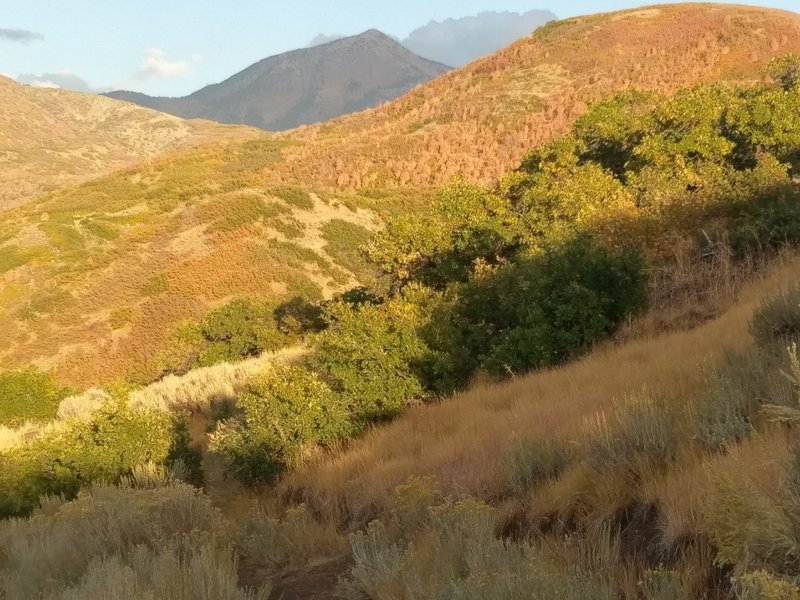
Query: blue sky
[173,47]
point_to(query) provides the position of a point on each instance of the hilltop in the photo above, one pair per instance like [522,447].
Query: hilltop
[305,86]
[481,120]
[51,138]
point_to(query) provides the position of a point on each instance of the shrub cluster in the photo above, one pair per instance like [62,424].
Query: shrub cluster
[243,328]
[29,395]
[556,257]
[128,542]
[284,412]
[454,553]
[105,447]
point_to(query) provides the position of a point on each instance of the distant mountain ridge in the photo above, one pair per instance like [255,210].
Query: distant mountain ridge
[457,42]
[305,86]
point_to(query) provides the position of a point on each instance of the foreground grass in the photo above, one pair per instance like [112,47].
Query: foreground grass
[584,481]
[148,538]
[662,500]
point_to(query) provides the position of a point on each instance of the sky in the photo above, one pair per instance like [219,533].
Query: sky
[174,47]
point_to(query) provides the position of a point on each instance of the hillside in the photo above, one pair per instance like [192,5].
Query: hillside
[305,86]
[480,121]
[96,276]
[54,138]
[581,381]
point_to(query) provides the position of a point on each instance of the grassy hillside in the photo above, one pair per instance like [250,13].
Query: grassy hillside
[96,277]
[582,382]
[480,121]
[490,443]
[554,484]
[54,138]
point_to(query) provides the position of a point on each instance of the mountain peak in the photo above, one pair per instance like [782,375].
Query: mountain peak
[306,86]
[375,34]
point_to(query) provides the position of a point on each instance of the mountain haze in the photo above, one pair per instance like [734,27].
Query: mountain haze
[305,86]
[457,42]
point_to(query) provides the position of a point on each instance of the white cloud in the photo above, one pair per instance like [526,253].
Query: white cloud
[157,65]
[456,42]
[60,79]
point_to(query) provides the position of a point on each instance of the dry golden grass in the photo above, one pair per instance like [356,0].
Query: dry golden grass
[465,441]
[197,389]
[194,392]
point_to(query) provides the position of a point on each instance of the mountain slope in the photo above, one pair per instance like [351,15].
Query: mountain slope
[93,278]
[480,121]
[305,86]
[51,138]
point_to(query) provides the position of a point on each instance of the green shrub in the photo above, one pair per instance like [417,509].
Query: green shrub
[298,316]
[106,447]
[786,71]
[240,329]
[244,328]
[535,461]
[776,323]
[294,196]
[369,354]
[540,311]
[29,395]
[466,226]
[283,413]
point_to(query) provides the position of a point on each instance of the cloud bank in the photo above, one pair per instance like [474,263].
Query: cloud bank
[20,36]
[456,42]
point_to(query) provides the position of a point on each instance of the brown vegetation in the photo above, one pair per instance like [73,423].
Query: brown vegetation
[481,120]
